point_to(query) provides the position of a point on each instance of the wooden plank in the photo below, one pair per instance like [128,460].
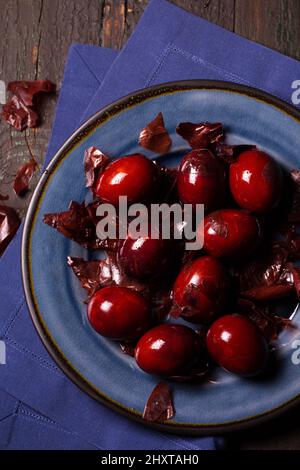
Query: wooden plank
[113,26]
[38,33]
[35,37]
[274,23]
[18,24]
[120,18]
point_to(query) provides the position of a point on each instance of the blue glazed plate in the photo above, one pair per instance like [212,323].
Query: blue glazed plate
[55,297]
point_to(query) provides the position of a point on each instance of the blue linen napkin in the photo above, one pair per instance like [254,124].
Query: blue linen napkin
[23,427]
[30,381]
[168,44]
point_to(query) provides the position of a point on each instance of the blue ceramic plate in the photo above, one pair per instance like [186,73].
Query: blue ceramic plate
[55,297]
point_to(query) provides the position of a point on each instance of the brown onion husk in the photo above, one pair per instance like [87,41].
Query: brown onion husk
[24,176]
[159,406]
[9,224]
[155,136]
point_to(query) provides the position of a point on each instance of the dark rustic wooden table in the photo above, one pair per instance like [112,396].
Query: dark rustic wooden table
[35,37]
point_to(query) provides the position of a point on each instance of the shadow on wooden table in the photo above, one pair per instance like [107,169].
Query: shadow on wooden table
[281,433]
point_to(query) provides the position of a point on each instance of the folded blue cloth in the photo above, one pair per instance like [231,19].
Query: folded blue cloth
[168,44]
[30,380]
[23,428]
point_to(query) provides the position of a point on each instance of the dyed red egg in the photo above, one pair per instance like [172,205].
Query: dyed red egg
[201,179]
[231,233]
[145,256]
[134,176]
[256,181]
[168,350]
[201,289]
[119,313]
[236,344]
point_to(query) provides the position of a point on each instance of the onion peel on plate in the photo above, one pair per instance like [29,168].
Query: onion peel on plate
[159,406]
[155,136]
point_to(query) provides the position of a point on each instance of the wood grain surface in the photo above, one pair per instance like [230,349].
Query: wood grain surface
[35,37]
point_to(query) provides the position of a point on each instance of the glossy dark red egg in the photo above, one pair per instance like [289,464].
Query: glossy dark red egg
[145,257]
[168,350]
[256,181]
[231,233]
[236,344]
[119,313]
[201,179]
[201,289]
[134,176]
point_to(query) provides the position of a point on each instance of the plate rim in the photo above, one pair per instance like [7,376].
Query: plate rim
[53,349]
